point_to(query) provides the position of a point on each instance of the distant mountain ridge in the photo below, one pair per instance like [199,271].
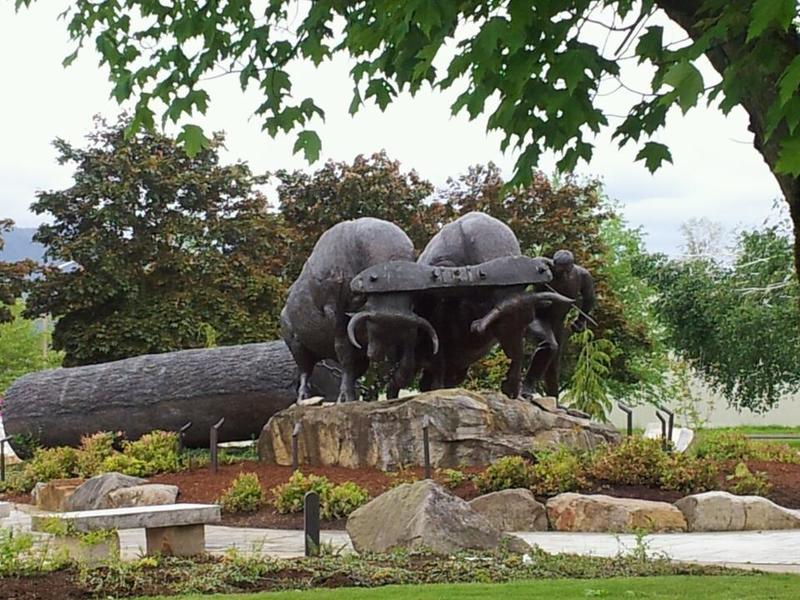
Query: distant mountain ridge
[19,245]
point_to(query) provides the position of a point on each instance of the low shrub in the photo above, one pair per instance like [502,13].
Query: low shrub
[51,463]
[725,445]
[505,473]
[558,471]
[452,478]
[688,474]
[746,483]
[335,502]
[243,495]
[634,461]
[288,497]
[125,464]
[93,452]
[158,450]
[343,499]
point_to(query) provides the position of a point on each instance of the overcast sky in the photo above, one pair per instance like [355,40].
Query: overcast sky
[716,173]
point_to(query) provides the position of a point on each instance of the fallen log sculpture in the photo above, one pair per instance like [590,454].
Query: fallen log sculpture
[244,384]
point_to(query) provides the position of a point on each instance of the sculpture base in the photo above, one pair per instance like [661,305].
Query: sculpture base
[466,429]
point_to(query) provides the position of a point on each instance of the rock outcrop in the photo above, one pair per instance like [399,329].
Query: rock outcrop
[151,494]
[599,513]
[94,493]
[423,515]
[512,510]
[466,428]
[722,511]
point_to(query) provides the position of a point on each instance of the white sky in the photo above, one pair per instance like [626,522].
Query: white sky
[716,173]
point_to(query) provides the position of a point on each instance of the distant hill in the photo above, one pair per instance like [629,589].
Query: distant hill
[19,245]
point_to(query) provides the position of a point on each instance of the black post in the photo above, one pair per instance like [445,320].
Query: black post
[629,416]
[663,420]
[426,449]
[3,458]
[295,457]
[213,437]
[311,523]
[182,437]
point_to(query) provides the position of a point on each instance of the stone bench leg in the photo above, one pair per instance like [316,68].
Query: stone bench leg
[185,540]
[79,550]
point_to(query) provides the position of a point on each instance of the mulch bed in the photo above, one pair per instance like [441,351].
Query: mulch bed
[201,486]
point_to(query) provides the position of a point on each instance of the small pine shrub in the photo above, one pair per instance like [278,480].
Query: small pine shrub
[558,471]
[746,483]
[52,463]
[505,473]
[125,464]
[288,497]
[342,500]
[244,494]
[93,451]
[634,461]
[688,474]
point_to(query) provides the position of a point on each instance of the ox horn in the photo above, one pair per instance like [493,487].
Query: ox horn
[355,321]
[426,325]
[529,299]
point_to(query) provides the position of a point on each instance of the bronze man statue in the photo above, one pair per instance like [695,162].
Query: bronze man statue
[547,328]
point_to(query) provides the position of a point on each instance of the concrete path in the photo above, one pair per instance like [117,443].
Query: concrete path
[777,551]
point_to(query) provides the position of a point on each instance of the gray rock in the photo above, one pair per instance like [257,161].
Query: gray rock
[94,493]
[512,510]
[5,509]
[466,428]
[151,494]
[596,512]
[53,495]
[722,511]
[423,515]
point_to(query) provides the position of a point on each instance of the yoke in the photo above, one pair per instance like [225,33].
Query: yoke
[400,276]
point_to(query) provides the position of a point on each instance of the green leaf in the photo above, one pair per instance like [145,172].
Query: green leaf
[768,12]
[789,156]
[70,58]
[193,139]
[654,154]
[789,80]
[308,141]
[687,82]
[650,43]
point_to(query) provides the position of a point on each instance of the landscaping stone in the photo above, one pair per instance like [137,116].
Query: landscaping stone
[512,510]
[548,403]
[151,494]
[466,428]
[424,515]
[681,437]
[138,517]
[722,511]
[5,509]
[54,494]
[578,512]
[94,493]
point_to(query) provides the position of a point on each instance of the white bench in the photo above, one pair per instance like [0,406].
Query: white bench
[170,529]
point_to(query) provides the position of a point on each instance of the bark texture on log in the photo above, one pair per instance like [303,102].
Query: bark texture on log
[245,384]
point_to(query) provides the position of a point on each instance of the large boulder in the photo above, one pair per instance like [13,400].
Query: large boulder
[579,512]
[722,511]
[94,493]
[466,428]
[151,494]
[423,515]
[512,510]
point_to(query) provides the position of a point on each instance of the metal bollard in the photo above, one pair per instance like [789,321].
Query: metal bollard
[295,455]
[213,437]
[182,437]
[629,418]
[3,458]
[426,447]
[663,420]
[311,523]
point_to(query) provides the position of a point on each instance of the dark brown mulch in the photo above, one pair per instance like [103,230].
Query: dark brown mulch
[50,586]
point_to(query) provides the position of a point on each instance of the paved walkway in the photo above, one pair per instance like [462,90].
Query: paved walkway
[777,551]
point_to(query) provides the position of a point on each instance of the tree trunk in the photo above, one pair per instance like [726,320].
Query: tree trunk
[756,101]
[244,384]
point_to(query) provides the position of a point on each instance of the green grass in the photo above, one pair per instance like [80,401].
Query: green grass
[744,587]
[757,430]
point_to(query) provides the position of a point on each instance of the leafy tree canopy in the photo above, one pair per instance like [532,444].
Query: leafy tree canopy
[23,348]
[171,250]
[529,64]
[12,277]
[737,323]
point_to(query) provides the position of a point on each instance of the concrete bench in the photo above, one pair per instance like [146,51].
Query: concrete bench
[170,529]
